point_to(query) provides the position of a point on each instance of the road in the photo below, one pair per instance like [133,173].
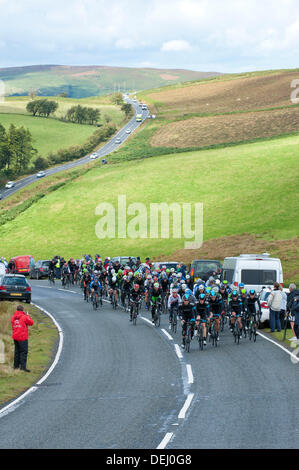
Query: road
[109,147]
[117,386]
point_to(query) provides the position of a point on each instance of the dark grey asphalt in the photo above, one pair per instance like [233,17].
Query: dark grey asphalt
[120,386]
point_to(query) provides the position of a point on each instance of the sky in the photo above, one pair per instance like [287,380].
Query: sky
[203,35]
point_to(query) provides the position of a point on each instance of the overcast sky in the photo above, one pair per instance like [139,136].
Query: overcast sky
[205,35]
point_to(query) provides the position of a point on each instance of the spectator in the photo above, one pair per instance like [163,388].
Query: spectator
[20,322]
[283,308]
[274,303]
[290,299]
[295,313]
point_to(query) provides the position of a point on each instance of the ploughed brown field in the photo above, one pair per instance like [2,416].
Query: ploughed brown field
[211,130]
[238,94]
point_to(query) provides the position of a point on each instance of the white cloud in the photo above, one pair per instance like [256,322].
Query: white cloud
[176,45]
[230,35]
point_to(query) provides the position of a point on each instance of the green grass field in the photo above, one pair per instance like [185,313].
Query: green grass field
[244,189]
[49,135]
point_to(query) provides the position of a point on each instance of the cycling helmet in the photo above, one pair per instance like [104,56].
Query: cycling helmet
[252,291]
[184,286]
[202,297]
[187,277]
[186,297]
[208,289]
[218,281]
[120,271]
[234,293]
[244,291]
[156,284]
[180,275]
[241,285]
[201,287]
[168,271]
[136,286]
[213,293]
[225,282]
[114,279]
[189,291]
[172,270]
[112,271]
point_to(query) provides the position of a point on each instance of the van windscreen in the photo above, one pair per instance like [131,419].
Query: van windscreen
[201,267]
[258,276]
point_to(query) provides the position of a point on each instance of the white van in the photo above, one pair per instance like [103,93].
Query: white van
[2,269]
[254,271]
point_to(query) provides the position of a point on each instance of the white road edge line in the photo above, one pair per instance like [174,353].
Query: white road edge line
[190,374]
[13,405]
[167,334]
[184,410]
[279,346]
[165,441]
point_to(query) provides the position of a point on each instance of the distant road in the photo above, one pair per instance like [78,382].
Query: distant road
[109,147]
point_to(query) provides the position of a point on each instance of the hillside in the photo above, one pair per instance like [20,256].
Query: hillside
[224,110]
[82,82]
[248,193]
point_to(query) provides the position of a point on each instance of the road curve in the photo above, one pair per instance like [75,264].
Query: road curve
[109,147]
[126,387]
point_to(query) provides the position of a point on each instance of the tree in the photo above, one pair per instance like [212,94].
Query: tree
[117,98]
[42,107]
[127,109]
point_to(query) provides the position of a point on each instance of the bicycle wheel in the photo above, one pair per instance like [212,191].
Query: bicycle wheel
[237,332]
[200,337]
[135,315]
[174,322]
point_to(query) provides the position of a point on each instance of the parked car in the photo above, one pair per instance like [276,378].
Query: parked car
[204,268]
[123,260]
[167,264]
[265,310]
[10,184]
[40,269]
[22,264]
[14,287]
[254,270]
[41,174]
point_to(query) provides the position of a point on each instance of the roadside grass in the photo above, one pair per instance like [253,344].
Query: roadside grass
[43,336]
[249,189]
[279,336]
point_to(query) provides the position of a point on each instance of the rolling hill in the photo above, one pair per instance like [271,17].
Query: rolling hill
[82,82]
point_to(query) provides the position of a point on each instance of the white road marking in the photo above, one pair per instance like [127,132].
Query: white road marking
[178,351]
[295,358]
[167,334]
[190,374]
[165,441]
[147,320]
[184,410]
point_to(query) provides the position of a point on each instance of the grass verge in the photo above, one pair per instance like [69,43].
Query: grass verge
[43,336]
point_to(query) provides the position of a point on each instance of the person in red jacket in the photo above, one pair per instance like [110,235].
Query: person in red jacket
[20,322]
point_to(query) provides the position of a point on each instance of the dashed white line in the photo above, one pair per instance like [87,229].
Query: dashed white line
[165,441]
[190,374]
[167,334]
[184,410]
[178,351]
[148,321]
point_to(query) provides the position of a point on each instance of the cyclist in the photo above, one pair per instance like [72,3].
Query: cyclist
[215,304]
[134,297]
[125,289]
[203,313]
[187,314]
[174,300]
[86,280]
[114,286]
[65,273]
[155,296]
[96,289]
[251,301]
[235,309]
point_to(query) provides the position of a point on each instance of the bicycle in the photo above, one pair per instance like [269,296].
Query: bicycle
[135,312]
[114,299]
[200,336]
[94,300]
[237,331]
[157,314]
[213,333]
[188,338]
[253,327]
[51,278]
[174,322]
